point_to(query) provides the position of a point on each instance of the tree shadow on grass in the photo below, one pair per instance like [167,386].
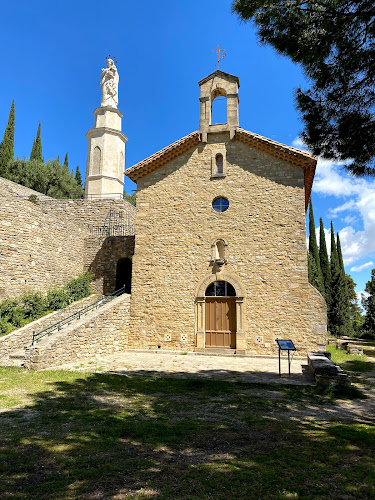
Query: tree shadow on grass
[106,436]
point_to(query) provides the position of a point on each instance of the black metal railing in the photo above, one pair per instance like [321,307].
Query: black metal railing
[77,315]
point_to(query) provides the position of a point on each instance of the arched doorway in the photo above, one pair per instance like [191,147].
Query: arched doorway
[124,274]
[220,315]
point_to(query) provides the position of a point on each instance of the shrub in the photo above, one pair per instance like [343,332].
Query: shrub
[5,327]
[57,299]
[33,305]
[78,288]
[33,198]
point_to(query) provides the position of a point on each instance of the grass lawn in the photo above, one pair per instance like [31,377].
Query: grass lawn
[68,435]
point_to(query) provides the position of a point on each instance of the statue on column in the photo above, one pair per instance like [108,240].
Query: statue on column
[109,85]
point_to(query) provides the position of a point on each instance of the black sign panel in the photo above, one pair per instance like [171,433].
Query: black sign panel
[285,345]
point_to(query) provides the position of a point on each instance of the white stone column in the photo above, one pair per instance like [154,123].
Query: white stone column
[106,155]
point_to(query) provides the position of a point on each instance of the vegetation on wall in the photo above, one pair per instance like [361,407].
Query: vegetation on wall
[15,313]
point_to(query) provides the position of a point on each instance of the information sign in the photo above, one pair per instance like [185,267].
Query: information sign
[285,345]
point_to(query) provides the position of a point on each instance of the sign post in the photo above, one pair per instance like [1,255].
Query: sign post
[285,345]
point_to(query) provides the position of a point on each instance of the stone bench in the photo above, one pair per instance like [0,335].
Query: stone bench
[325,370]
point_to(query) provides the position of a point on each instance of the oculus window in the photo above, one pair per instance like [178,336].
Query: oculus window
[220,204]
[220,289]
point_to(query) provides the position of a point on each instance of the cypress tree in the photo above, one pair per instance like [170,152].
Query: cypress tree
[66,163]
[316,279]
[369,305]
[349,326]
[337,314]
[36,152]
[78,177]
[7,145]
[324,263]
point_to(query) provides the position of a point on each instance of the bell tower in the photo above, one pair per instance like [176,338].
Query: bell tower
[218,84]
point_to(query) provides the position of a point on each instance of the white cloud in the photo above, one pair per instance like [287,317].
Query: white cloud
[349,205]
[358,269]
[349,219]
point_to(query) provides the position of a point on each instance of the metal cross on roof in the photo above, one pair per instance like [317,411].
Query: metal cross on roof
[219,57]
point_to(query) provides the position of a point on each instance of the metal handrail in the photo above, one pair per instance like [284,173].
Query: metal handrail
[77,315]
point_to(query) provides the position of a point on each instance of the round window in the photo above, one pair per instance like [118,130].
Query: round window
[220,204]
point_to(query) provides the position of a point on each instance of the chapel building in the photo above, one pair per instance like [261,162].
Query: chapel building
[220,257]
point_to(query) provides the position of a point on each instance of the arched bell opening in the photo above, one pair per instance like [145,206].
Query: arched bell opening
[124,274]
[218,106]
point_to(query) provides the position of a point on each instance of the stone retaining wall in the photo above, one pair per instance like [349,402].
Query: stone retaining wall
[42,243]
[37,251]
[22,337]
[104,331]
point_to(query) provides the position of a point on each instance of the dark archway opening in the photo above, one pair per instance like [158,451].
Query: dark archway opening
[124,274]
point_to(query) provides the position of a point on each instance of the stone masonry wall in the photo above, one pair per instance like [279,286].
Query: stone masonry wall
[264,229]
[86,212]
[43,244]
[105,331]
[37,251]
[22,337]
[101,257]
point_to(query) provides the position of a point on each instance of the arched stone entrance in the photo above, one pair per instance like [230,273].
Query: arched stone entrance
[219,313]
[124,274]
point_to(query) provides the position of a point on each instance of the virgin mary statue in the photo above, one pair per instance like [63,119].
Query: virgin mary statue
[109,85]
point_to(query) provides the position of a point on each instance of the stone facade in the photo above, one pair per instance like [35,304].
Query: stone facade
[101,332]
[265,238]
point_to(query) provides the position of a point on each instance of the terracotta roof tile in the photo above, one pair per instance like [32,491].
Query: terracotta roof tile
[288,154]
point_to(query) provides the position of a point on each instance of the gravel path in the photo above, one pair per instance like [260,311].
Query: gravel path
[230,368]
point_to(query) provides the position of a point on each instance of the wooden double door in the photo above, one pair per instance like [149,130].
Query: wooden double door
[221,322]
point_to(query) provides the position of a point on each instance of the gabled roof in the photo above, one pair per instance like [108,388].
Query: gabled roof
[280,151]
[218,72]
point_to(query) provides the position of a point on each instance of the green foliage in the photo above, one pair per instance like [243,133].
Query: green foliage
[369,305]
[51,178]
[7,145]
[324,263]
[131,198]
[15,313]
[33,305]
[36,152]
[315,272]
[78,287]
[66,162]
[57,299]
[338,323]
[33,198]
[334,42]
[355,312]
[78,177]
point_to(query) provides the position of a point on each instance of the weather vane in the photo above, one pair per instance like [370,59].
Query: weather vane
[219,57]
[112,57]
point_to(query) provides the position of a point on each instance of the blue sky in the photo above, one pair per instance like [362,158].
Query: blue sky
[52,54]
